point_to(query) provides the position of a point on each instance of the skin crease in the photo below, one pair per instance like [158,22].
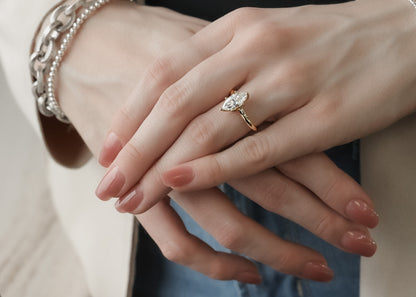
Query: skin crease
[319,70]
[101,88]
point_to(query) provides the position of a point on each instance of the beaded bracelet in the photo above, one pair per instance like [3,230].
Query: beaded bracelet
[47,54]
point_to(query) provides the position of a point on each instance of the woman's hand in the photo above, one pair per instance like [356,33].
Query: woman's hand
[101,94]
[323,75]
[310,191]
[109,55]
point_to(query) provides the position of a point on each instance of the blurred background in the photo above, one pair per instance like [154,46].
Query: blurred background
[36,258]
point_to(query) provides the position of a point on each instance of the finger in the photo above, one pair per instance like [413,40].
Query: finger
[173,111]
[160,74]
[215,213]
[279,194]
[333,186]
[176,244]
[202,136]
[177,106]
[207,133]
[157,78]
[296,134]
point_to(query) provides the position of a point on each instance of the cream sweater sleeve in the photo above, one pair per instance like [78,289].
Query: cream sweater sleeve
[18,23]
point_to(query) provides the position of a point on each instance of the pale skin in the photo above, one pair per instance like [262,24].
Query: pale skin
[319,76]
[330,205]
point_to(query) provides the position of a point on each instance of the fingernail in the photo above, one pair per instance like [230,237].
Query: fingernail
[317,271]
[111,184]
[111,147]
[362,213]
[117,206]
[129,202]
[249,277]
[178,177]
[359,242]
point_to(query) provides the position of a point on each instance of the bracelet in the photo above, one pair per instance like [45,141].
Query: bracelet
[47,54]
[413,2]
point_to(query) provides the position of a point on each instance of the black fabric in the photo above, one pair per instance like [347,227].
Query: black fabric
[213,9]
[147,263]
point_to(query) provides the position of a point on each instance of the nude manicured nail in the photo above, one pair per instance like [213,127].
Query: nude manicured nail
[359,242]
[111,184]
[362,213]
[317,271]
[130,202]
[249,277]
[178,177]
[111,147]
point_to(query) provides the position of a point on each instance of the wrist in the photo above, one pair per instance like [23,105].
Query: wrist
[395,23]
[49,49]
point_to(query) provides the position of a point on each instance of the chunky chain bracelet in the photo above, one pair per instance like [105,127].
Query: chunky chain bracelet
[48,54]
[413,2]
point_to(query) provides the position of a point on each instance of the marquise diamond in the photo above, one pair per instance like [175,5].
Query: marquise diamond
[235,101]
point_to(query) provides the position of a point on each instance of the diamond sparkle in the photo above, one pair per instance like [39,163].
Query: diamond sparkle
[235,101]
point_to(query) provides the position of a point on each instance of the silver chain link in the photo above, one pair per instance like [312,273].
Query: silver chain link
[413,2]
[47,54]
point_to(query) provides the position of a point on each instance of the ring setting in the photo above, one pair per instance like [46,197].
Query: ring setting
[235,102]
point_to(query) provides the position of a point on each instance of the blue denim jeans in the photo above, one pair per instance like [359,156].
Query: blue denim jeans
[158,277]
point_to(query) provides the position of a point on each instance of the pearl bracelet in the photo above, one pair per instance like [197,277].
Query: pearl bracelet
[47,55]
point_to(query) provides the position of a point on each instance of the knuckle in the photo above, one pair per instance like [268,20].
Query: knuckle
[256,150]
[269,36]
[332,189]
[202,130]
[283,262]
[175,252]
[259,40]
[132,152]
[274,196]
[125,114]
[295,82]
[283,34]
[215,171]
[231,235]
[328,109]
[216,270]
[267,33]
[323,226]
[243,15]
[173,100]
[159,73]
[340,185]
[124,123]
[328,106]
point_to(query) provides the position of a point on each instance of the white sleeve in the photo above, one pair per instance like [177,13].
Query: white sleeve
[18,23]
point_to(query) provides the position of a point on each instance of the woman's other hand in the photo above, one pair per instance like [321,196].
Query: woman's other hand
[322,75]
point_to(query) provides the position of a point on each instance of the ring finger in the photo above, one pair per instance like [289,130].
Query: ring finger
[190,96]
[208,133]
